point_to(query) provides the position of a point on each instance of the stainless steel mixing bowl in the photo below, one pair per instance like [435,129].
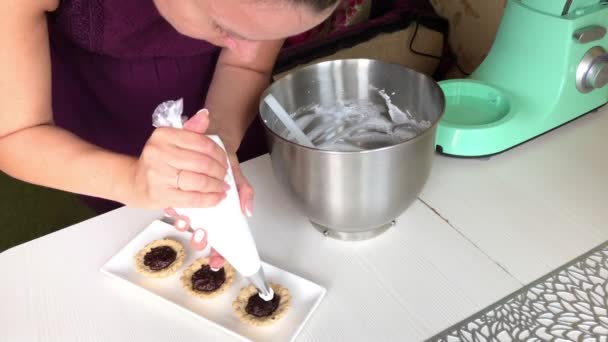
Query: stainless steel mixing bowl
[354,195]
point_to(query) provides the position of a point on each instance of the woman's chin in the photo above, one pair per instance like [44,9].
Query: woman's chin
[197,34]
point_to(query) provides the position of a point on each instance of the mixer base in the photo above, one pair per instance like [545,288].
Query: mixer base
[353,236]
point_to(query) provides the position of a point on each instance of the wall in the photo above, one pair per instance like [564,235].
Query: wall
[392,48]
[473,26]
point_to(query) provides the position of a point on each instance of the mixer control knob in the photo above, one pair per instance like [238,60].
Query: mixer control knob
[589,34]
[598,74]
[592,72]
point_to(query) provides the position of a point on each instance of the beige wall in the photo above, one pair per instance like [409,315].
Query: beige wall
[473,25]
[393,48]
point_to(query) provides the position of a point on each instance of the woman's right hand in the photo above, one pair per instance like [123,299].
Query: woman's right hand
[180,168]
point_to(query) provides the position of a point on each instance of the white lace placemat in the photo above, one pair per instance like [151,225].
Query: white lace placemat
[569,304]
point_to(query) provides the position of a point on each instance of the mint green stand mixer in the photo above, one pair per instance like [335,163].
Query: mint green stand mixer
[547,67]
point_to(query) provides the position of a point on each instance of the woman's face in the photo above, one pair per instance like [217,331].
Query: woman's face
[237,24]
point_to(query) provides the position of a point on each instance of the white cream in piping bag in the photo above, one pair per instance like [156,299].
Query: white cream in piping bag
[228,231]
[225,225]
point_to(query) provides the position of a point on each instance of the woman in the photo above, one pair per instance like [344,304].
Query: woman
[80,79]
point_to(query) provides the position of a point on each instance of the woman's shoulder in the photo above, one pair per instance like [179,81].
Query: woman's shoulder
[122,28]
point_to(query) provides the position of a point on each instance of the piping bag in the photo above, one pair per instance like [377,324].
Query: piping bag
[225,225]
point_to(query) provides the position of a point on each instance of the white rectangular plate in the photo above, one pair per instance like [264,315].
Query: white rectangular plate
[306,295]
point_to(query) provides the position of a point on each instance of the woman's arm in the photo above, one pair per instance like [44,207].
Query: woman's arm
[234,94]
[233,100]
[36,151]
[31,147]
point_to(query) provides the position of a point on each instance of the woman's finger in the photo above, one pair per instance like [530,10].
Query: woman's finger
[246,199]
[192,199]
[170,212]
[199,239]
[245,189]
[216,261]
[191,181]
[197,162]
[199,143]
[198,123]
[181,223]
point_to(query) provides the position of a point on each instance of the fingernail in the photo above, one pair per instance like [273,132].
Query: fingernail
[169,212]
[215,269]
[192,120]
[199,236]
[249,208]
[181,224]
[203,111]
[226,186]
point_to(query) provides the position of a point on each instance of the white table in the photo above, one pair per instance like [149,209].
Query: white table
[481,230]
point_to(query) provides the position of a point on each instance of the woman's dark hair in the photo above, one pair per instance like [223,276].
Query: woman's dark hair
[318,5]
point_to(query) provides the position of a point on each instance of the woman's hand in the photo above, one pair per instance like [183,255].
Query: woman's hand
[199,237]
[180,168]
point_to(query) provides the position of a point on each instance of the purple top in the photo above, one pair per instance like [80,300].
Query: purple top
[113,62]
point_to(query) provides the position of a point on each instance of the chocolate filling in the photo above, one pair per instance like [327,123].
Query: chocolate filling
[207,280]
[258,307]
[159,258]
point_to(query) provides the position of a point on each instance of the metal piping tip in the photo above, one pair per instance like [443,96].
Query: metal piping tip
[267,296]
[258,279]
